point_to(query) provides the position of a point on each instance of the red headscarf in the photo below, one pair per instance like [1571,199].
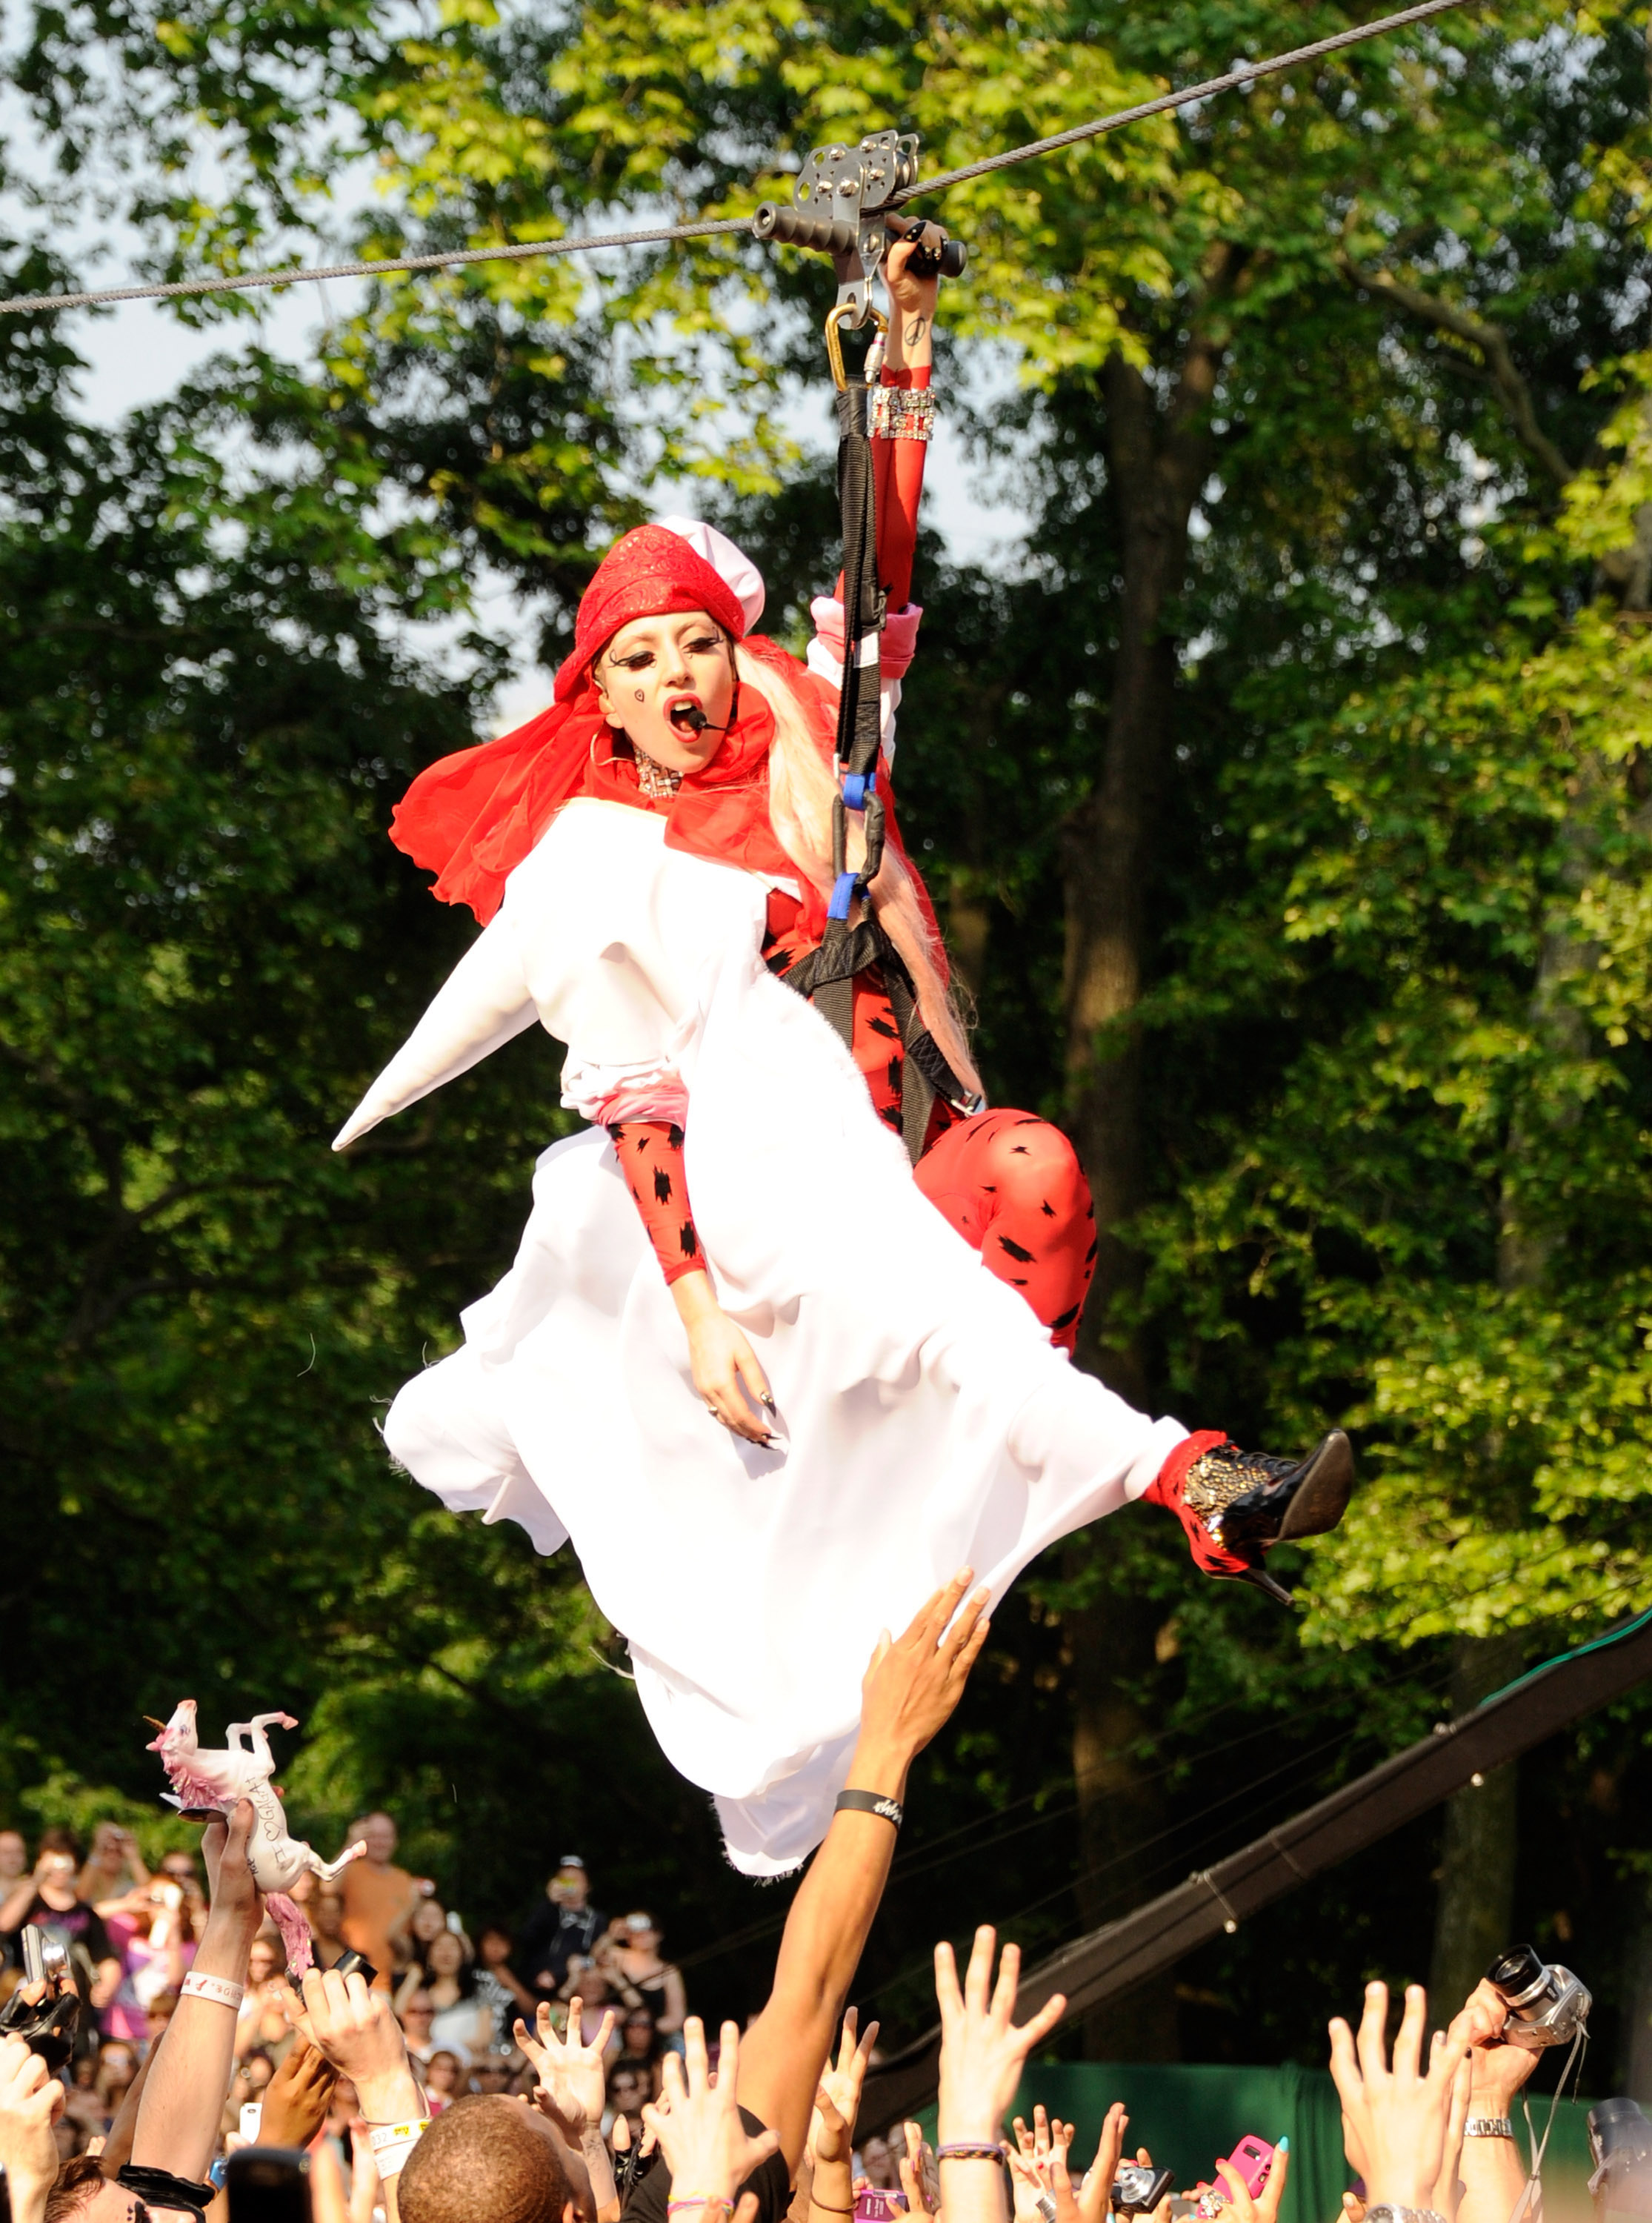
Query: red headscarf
[472,818]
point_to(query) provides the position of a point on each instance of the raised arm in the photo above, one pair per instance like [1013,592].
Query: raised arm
[898,462]
[911,1688]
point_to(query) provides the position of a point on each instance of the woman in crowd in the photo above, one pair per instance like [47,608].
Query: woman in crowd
[416,2014]
[812,1370]
[263,2020]
[640,2049]
[150,1932]
[594,1985]
[444,2078]
[499,1985]
[635,1940]
[413,1941]
[447,1977]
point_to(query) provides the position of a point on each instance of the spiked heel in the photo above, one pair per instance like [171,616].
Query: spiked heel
[1235,1505]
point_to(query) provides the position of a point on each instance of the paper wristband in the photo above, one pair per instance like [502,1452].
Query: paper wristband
[392,2160]
[219,1989]
[383,2136]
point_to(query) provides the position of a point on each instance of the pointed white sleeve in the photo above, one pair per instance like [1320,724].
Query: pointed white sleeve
[483,1004]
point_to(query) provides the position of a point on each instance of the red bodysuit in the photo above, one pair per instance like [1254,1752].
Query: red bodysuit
[1010,1183]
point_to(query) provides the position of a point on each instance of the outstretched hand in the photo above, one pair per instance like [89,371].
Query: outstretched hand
[915,1681]
[1096,2193]
[1399,2115]
[571,2073]
[837,2103]
[707,2147]
[983,2052]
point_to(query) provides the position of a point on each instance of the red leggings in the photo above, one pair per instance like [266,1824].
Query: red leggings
[1007,1182]
[1013,1187]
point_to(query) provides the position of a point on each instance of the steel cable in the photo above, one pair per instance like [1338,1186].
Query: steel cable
[708,228]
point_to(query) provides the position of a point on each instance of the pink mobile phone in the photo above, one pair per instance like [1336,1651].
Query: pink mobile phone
[1253,2157]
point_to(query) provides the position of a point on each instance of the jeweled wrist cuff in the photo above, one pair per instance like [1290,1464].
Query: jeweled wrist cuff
[901,413]
[219,1989]
[871,1802]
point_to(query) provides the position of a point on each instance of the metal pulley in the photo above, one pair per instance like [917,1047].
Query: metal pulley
[841,207]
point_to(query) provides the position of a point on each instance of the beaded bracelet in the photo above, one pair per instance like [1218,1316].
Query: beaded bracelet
[964,2151]
[698,2199]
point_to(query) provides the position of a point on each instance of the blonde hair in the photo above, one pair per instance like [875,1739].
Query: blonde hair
[801,792]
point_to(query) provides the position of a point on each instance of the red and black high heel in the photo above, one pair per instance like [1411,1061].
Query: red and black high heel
[1235,1505]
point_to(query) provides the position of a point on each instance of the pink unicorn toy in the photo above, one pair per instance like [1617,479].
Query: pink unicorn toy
[211,1782]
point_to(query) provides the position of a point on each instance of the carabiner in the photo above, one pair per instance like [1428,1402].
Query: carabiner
[835,316]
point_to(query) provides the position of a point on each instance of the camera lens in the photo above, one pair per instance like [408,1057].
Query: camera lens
[1618,2131]
[1516,1973]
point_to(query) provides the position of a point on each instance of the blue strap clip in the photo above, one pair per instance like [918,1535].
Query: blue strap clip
[859,789]
[843,894]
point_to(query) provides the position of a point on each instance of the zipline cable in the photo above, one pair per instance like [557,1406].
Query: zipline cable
[709,228]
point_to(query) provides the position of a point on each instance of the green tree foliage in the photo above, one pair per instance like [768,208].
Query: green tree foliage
[1288,808]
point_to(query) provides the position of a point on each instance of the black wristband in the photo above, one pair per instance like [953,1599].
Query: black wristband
[871,1802]
[162,2188]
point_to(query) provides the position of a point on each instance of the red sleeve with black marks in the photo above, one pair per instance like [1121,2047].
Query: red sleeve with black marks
[651,1158]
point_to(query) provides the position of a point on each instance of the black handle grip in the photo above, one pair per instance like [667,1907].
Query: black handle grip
[796,227]
[950,262]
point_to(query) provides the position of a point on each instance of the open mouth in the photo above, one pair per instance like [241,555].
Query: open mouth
[686,716]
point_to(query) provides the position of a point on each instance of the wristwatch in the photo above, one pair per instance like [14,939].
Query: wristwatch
[1488,2127]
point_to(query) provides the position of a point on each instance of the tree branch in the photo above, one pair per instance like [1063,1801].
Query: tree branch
[1491,344]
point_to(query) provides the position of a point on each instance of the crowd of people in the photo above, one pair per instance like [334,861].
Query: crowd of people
[453,2081]
[130,1935]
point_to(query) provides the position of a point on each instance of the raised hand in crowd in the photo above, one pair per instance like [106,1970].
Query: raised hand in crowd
[911,1688]
[1491,2169]
[31,2099]
[983,2054]
[1244,2206]
[1398,2117]
[177,2130]
[573,2091]
[1096,2193]
[919,2176]
[356,2029]
[707,2148]
[832,2130]
[1038,2169]
[298,2097]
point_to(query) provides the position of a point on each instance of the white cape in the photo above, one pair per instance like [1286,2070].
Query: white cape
[925,1420]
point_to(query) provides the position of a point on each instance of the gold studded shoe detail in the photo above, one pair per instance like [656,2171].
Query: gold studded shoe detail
[1235,1505]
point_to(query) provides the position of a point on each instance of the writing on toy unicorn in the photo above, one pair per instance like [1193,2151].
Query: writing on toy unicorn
[213,1782]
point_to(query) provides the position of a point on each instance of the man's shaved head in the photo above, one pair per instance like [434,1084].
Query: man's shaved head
[488,2159]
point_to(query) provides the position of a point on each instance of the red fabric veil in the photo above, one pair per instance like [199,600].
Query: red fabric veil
[472,818]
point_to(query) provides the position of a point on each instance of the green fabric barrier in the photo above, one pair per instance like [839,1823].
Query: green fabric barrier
[1186,2116]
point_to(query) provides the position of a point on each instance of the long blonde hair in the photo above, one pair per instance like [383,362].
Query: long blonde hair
[801,792]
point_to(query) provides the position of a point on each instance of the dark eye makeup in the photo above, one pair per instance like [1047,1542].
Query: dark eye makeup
[640,658]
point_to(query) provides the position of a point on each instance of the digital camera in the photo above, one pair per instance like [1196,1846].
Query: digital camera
[1620,2140]
[1138,2190]
[1546,2006]
[47,2024]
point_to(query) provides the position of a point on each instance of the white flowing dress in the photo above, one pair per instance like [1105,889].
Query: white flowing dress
[924,1419]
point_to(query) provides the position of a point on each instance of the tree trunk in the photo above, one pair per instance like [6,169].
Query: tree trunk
[1156,462]
[1476,1903]
[1118,1812]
